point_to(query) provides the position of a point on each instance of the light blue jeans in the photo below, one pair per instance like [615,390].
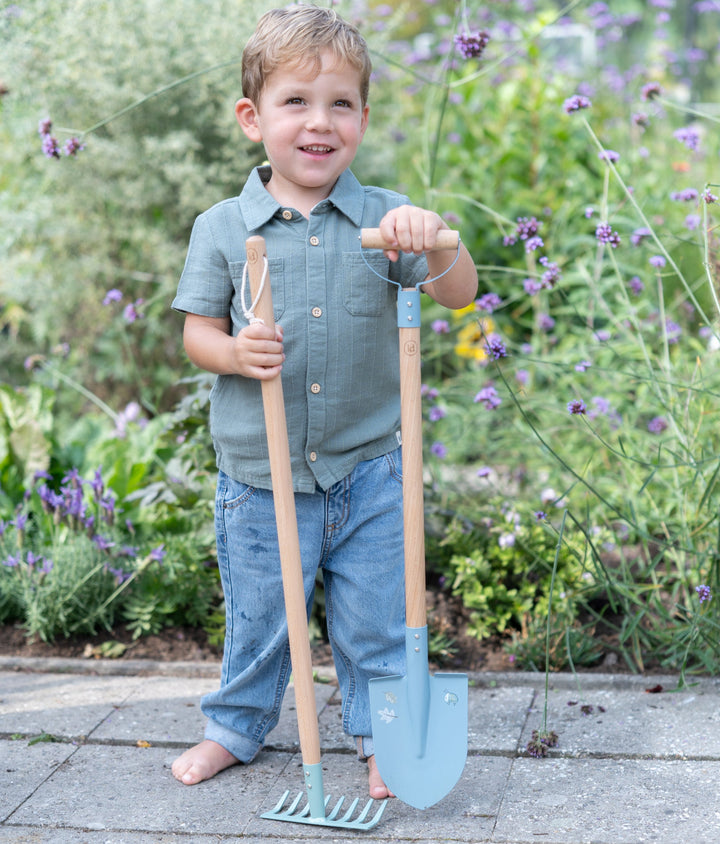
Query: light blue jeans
[354,533]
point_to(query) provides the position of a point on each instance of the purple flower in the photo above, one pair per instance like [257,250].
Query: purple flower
[488,397]
[692,222]
[441,326]
[533,243]
[484,472]
[689,136]
[113,295]
[11,562]
[437,413]
[130,312]
[495,348]
[704,593]
[639,235]
[471,44]
[684,195]
[429,392]
[576,407]
[605,234]
[641,119]
[73,146]
[657,425]
[44,127]
[158,554]
[583,366]
[532,286]
[709,197]
[636,286]
[672,331]
[522,376]
[103,543]
[651,90]
[439,450]
[540,515]
[546,322]
[527,227]
[488,302]
[50,146]
[19,522]
[551,275]
[657,261]
[575,103]
[609,155]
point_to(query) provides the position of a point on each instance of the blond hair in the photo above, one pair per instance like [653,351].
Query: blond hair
[299,34]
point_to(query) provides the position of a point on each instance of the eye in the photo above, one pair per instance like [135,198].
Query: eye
[294,101]
[343,103]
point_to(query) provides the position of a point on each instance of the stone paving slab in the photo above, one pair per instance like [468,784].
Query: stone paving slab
[23,770]
[600,801]
[497,716]
[631,723]
[116,788]
[67,706]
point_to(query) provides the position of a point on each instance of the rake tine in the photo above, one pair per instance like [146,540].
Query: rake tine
[376,817]
[348,815]
[336,810]
[281,802]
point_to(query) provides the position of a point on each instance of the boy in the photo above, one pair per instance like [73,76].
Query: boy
[305,78]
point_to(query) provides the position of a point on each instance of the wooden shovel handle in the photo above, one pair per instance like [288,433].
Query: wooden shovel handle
[412,458]
[289,543]
[372,239]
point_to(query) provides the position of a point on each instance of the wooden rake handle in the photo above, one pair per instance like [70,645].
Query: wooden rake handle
[286,517]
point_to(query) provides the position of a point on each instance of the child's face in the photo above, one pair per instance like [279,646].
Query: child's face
[311,126]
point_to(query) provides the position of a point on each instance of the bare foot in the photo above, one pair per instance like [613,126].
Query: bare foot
[202,762]
[378,789]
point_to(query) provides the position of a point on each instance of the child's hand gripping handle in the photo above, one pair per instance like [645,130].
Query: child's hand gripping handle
[372,239]
[285,514]
[411,427]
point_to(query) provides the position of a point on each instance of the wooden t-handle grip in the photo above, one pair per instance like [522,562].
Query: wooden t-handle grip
[371,239]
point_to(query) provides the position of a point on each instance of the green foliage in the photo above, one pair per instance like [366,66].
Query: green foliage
[635,466]
[502,567]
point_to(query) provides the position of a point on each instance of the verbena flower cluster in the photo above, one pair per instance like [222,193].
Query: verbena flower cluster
[471,45]
[540,742]
[50,144]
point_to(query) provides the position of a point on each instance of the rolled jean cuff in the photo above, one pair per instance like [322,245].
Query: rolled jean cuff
[241,747]
[365,747]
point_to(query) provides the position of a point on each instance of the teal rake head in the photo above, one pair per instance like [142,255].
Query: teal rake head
[315,810]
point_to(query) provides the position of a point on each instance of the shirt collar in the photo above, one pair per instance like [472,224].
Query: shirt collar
[257,204]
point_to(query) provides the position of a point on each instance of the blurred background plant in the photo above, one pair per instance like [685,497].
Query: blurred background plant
[575,148]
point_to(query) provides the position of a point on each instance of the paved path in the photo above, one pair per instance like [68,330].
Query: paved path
[86,749]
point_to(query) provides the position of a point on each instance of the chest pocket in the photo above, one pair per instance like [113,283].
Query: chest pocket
[364,293]
[276,279]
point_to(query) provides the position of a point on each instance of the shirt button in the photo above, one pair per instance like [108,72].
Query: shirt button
[313,456]
[314,388]
[317,312]
[314,240]
[287,214]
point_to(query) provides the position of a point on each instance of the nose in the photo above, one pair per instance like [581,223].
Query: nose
[319,119]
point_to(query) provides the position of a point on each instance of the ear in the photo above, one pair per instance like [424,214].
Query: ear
[364,121]
[247,116]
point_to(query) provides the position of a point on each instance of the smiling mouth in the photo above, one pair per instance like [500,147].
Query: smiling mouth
[317,149]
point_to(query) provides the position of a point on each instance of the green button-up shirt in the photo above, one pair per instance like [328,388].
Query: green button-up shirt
[340,377]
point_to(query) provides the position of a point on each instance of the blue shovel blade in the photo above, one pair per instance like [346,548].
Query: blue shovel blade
[420,727]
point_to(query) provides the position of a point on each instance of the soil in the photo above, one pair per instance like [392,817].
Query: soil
[446,617]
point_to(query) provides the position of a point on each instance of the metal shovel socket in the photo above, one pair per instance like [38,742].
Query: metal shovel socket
[419,721]
[315,811]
